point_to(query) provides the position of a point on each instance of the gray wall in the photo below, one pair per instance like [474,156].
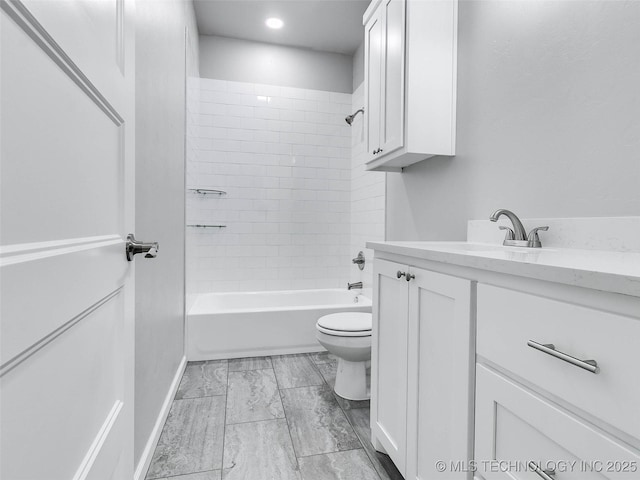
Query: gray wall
[548,120]
[358,67]
[160,170]
[224,58]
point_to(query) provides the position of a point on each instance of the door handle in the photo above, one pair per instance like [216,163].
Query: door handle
[133,247]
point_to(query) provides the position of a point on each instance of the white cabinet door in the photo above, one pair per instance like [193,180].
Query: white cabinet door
[440,376]
[374,44]
[514,427]
[389,361]
[392,98]
[67,170]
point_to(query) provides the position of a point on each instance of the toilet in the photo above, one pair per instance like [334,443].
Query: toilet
[347,335]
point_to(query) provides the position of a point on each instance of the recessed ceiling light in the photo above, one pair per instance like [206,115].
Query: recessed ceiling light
[274,23]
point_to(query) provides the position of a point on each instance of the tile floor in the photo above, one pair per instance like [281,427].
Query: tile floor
[271,418]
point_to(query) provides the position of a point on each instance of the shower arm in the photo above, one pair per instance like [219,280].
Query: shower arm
[349,118]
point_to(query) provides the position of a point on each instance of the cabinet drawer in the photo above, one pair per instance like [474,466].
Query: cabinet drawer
[514,427]
[508,320]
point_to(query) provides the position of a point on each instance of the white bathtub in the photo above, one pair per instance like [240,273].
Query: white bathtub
[234,325]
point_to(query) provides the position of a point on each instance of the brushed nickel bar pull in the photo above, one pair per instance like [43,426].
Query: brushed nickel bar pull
[550,349]
[545,474]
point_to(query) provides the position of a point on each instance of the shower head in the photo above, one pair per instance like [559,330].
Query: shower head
[350,118]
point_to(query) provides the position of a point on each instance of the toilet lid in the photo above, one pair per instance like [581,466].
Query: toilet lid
[348,324]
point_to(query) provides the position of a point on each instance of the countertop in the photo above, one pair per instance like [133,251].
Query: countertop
[610,271]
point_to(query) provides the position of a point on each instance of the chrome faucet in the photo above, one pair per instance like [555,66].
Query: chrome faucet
[351,286]
[517,237]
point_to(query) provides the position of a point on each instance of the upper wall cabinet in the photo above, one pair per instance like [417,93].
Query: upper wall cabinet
[410,81]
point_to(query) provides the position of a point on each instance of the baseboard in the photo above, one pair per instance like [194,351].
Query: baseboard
[257,353]
[147,454]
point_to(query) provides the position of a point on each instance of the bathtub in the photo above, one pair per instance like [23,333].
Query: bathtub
[234,325]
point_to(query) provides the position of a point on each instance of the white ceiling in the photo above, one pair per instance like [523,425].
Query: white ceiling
[326,25]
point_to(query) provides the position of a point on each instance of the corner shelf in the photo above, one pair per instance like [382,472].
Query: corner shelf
[208,191]
[207,226]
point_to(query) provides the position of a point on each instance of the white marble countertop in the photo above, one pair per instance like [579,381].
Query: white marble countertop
[610,271]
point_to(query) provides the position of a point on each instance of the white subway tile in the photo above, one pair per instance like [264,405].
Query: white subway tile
[212,84]
[241,87]
[291,166]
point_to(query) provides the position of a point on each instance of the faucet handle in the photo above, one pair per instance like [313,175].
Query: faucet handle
[533,239]
[510,235]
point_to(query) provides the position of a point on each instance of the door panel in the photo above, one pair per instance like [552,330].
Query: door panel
[63,395]
[67,329]
[389,360]
[373,79]
[69,150]
[392,125]
[101,26]
[441,371]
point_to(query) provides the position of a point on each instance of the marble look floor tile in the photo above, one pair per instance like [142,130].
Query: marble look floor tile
[252,396]
[349,465]
[323,357]
[328,371]
[259,450]
[210,475]
[317,423]
[360,419]
[191,440]
[203,379]
[296,371]
[253,363]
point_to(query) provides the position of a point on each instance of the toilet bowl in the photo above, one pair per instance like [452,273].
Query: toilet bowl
[347,335]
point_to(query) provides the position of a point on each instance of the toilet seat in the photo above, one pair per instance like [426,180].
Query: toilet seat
[346,324]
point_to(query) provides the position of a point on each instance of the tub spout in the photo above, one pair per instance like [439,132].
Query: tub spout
[351,286]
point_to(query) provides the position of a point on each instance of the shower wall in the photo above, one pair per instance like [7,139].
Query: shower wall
[283,157]
[367,197]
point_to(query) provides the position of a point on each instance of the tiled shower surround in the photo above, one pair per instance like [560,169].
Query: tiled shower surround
[283,155]
[299,202]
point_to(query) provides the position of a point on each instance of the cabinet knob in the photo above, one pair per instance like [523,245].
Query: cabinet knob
[407,276]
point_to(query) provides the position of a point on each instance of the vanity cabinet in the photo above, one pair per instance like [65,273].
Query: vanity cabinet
[557,384]
[410,81]
[502,364]
[422,368]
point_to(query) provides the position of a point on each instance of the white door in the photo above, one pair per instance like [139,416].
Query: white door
[67,178]
[389,361]
[441,371]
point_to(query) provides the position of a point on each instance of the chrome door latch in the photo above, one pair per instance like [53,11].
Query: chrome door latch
[133,247]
